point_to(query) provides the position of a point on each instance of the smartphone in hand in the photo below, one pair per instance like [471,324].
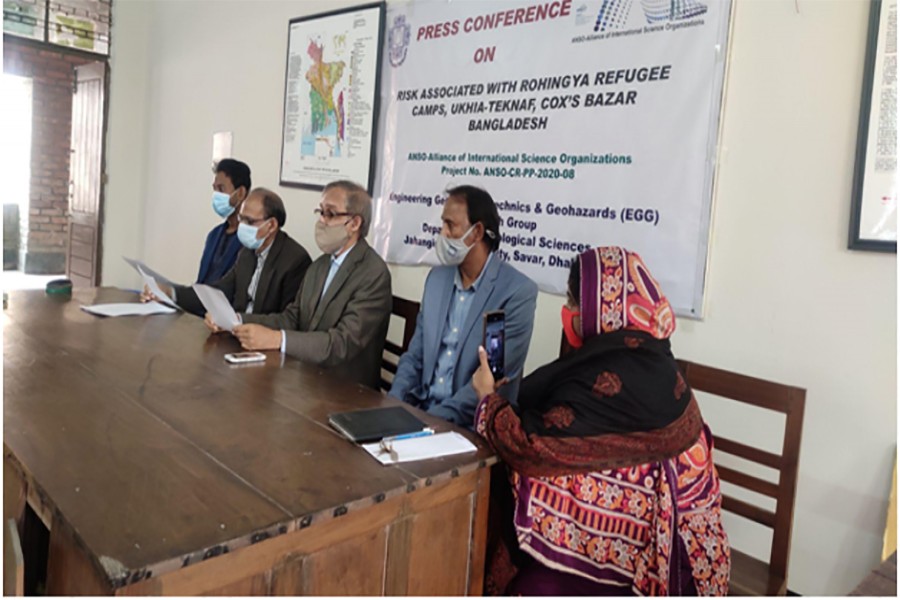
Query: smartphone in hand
[493,340]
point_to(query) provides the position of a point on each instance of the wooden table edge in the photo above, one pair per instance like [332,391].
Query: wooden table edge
[119,576]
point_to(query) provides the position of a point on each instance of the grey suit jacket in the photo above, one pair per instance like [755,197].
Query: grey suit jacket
[345,331]
[502,288]
[285,266]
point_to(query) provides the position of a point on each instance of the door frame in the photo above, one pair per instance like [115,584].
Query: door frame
[89,57]
[100,215]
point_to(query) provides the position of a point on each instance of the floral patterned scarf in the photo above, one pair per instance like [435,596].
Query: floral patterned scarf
[624,378]
[618,292]
[611,466]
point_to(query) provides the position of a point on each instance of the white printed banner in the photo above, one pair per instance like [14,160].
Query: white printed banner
[591,123]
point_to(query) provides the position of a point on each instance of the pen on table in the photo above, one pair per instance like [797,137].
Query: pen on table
[409,436]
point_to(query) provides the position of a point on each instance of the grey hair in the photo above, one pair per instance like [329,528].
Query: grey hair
[359,202]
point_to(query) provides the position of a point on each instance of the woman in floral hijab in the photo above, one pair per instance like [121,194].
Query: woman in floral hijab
[614,489]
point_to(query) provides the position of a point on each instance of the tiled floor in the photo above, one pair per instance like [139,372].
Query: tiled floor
[17,280]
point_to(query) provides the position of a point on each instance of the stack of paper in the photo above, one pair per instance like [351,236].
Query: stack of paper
[421,448]
[123,309]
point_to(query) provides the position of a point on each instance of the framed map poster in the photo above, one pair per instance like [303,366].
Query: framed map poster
[873,218]
[331,97]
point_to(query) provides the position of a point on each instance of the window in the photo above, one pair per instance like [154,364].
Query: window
[80,24]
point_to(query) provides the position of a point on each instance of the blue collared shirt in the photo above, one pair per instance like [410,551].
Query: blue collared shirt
[336,261]
[441,386]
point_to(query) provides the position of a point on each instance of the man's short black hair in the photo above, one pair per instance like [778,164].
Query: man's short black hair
[481,209]
[273,207]
[236,171]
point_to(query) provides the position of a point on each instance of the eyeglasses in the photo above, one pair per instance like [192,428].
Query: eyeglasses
[249,221]
[329,214]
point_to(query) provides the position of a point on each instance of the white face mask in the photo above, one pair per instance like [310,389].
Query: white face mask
[331,238]
[247,236]
[452,251]
[221,203]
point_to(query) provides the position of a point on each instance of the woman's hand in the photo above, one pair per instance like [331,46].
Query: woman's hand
[483,380]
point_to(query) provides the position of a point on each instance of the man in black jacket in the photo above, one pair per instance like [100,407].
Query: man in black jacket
[268,271]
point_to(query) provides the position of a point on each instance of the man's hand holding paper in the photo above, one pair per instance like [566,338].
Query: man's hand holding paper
[153,292]
[147,294]
[219,309]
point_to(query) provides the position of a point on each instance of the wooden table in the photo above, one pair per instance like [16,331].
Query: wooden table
[159,468]
[880,582]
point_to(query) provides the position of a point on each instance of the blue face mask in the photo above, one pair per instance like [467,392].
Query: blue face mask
[247,236]
[221,203]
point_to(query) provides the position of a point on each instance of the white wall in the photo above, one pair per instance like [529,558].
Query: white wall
[127,147]
[785,300]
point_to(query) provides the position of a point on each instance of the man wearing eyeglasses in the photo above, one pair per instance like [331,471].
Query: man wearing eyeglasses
[268,271]
[339,318]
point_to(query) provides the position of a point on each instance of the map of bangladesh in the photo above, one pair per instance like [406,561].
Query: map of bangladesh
[326,119]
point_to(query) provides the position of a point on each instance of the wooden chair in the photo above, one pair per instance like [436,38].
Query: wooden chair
[13,563]
[408,311]
[750,576]
[889,546]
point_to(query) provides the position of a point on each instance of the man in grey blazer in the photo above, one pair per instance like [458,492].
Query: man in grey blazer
[269,268]
[339,319]
[435,373]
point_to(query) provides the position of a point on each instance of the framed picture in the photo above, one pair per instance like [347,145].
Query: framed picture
[331,94]
[873,218]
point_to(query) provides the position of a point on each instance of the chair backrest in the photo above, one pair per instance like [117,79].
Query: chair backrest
[407,310]
[784,399]
[13,563]
[749,576]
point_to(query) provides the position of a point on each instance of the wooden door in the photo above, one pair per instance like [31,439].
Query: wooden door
[85,175]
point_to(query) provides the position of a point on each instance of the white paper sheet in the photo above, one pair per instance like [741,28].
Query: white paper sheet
[422,448]
[122,309]
[150,278]
[139,266]
[150,282]
[215,302]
